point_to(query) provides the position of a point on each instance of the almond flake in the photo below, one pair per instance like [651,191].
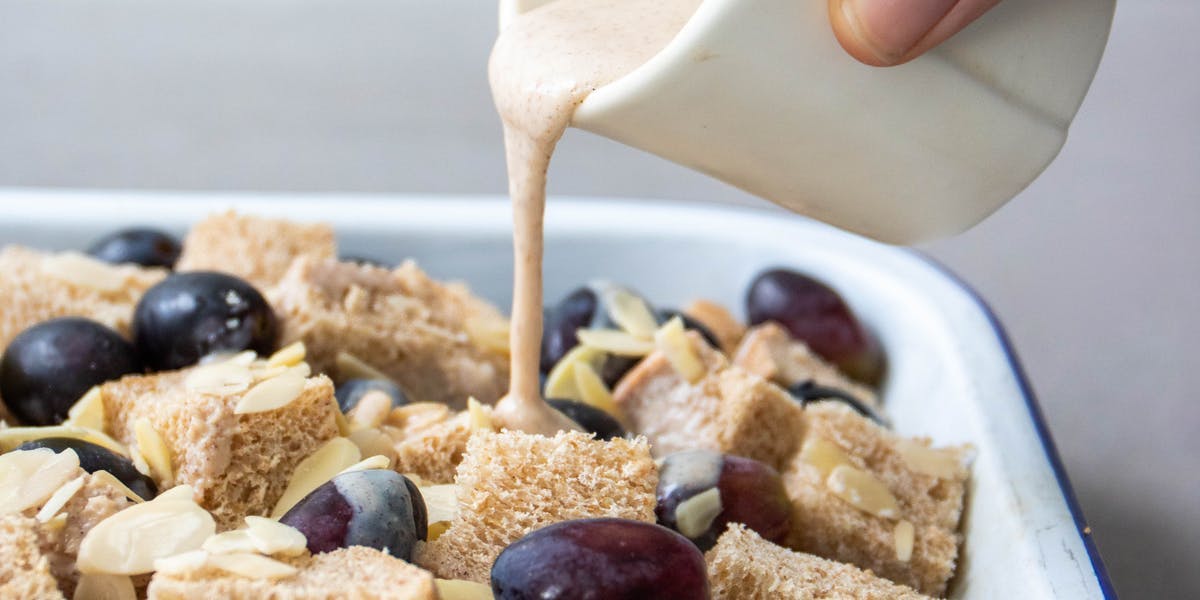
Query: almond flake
[560,383]
[230,541]
[631,313]
[179,492]
[85,271]
[592,390]
[272,394]
[29,478]
[823,455]
[129,542]
[56,523]
[154,450]
[112,480]
[351,367]
[904,535]
[461,589]
[418,414]
[673,342]
[182,563]
[943,464]
[96,586]
[12,437]
[695,515]
[436,529]
[288,356]
[219,379]
[441,501]
[338,418]
[375,462]
[88,411]
[59,499]
[373,441]
[863,491]
[371,411]
[321,466]
[273,537]
[489,334]
[251,566]
[480,417]
[615,341]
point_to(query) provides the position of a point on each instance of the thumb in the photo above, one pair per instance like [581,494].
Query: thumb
[891,32]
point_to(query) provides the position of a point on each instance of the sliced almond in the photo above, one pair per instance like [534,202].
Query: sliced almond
[374,462]
[251,566]
[461,589]
[373,441]
[154,450]
[29,478]
[695,515]
[56,523]
[329,460]
[59,499]
[672,340]
[272,394]
[183,563]
[823,455]
[436,529]
[480,417]
[130,541]
[12,437]
[904,535]
[630,312]
[338,418]
[441,501]
[179,492]
[489,334]
[84,271]
[560,383]
[272,537]
[863,491]
[97,586]
[351,367]
[592,390]
[943,464]
[288,356]
[88,411]
[615,341]
[244,358]
[418,414]
[228,542]
[111,479]
[223,378]
[372,410]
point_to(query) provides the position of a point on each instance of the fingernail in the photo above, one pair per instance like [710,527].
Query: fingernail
[891,28]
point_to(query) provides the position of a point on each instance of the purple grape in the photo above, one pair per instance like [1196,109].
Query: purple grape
[376,508]
[49,366]
[815,314]
[600,559]
[146,247]
[750,492]
[561,321]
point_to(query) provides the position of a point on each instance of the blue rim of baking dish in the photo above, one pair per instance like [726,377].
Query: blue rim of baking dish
[1039,422]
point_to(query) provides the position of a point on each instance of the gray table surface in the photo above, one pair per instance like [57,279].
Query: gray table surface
[1093,268]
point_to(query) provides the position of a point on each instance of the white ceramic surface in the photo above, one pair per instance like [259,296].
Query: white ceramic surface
[759,94]
[952,375]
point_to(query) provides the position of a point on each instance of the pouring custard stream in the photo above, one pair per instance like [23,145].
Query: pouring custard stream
[544,64]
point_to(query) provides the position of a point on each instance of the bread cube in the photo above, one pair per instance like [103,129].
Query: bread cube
[511,483]
[429,441]
[743,566]
[256,249]
[769,351]
[24,566]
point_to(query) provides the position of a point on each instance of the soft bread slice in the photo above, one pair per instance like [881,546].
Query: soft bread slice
[238,464]
[511,483]
[728,410]
[826,525]
[256,249]
[24,566]
[411,328]
[355,572]
[743,566]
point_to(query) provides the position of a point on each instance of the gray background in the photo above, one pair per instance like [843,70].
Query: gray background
[1093,268]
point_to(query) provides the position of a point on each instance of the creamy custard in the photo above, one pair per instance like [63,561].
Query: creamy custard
[544,64]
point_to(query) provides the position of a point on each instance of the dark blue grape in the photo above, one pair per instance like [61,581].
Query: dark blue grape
[590,418]
[600,559]
[750,493]
[93,457]
[146,247]
[188,316]
[352,390]
[809,391]
[49,366]
[376,508]
[561,322]
[815,314]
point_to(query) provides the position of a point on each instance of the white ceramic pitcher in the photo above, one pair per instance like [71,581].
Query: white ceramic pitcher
[759,94]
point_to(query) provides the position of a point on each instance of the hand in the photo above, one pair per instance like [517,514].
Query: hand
[890,32]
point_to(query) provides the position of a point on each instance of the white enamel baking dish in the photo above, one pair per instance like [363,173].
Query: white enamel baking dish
[953,375]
